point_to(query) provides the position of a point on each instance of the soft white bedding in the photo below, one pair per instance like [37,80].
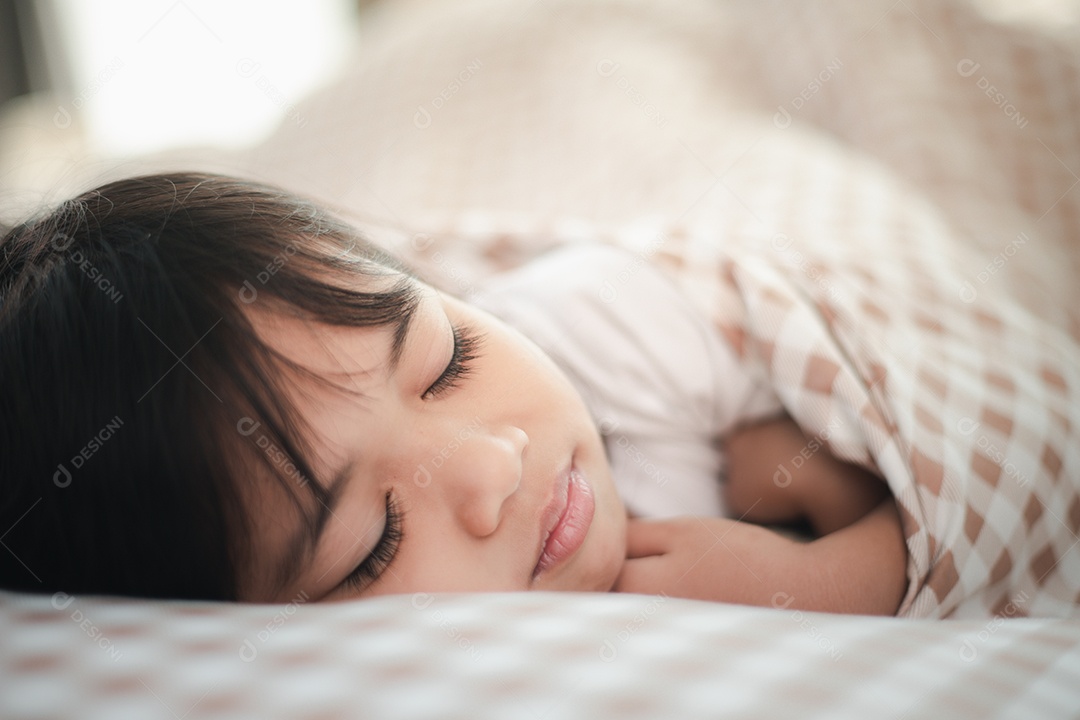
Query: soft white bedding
[528,656]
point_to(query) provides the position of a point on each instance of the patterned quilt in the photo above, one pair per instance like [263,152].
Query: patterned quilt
[894,243]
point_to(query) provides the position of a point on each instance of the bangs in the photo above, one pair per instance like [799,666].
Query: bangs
[161,510]
[275,440]
[305,265]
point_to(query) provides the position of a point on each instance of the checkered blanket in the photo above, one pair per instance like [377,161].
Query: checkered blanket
[968,406]
[897,253]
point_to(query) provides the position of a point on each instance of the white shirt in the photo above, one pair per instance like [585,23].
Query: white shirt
[661,383]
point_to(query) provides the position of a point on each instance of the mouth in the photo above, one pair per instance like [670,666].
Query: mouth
[566,520]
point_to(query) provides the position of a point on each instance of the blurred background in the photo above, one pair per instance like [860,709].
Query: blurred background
[134,76]
[88,79]
[139,76]
[84,83]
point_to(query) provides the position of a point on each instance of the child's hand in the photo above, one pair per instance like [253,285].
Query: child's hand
[710,559]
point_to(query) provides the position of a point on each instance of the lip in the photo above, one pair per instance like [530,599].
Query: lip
[566,520]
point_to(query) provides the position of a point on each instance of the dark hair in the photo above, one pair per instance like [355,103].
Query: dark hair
[129,372]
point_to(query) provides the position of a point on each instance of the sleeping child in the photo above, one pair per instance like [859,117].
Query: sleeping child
[212,390]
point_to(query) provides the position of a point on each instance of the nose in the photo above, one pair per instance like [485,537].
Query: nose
[482,475]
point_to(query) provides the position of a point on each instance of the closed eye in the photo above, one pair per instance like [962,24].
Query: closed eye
[375,564]
[466,344]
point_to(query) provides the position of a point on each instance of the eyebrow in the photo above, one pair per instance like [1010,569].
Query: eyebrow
[309,537]
[408,298]
[402,329]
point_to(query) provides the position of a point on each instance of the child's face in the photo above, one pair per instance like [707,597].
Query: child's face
[477,472]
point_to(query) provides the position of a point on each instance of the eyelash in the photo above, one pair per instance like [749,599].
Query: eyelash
[466,344]
[383,554]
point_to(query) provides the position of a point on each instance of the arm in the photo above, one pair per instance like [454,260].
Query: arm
[778,474]
[858,565]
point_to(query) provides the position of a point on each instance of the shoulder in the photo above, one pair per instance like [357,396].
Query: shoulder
[622,330]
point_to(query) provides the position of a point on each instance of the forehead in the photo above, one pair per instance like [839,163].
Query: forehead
[323,349]
[337,346]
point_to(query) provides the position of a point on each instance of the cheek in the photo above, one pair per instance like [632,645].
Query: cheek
[607,546]
[435,556]
[607,542]
[612,551]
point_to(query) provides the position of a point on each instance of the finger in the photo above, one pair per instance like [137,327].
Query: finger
[647,537]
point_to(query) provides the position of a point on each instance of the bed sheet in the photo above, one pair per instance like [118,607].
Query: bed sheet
[529,656]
